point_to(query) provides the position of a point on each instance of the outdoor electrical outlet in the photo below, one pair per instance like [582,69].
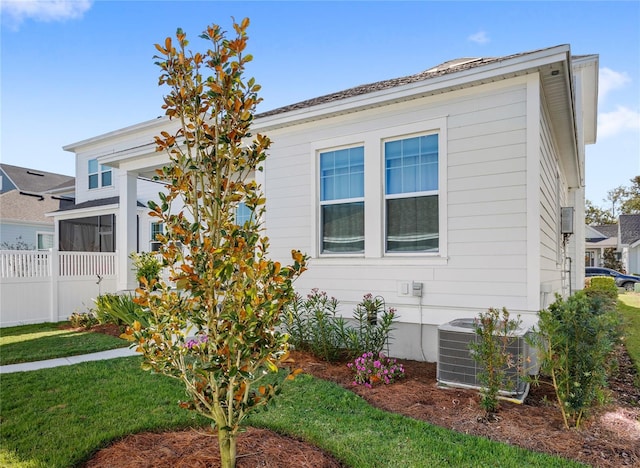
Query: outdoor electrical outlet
[416,289]
[403,288]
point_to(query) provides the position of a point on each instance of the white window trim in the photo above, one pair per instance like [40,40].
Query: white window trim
[374,197]
[320,203]
[45,233]
[152,239]
[386,197]
[99,174]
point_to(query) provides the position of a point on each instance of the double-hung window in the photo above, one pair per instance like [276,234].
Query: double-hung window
[411,194]
[156,229]
[99,175]
[342,201]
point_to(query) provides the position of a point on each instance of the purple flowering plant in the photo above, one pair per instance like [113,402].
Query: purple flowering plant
[196,342]
[371,368]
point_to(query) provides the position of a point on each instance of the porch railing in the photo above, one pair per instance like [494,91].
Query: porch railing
[43,264]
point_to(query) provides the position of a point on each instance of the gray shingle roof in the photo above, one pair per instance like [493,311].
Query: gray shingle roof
[34,180]
[629,228]
[95,203]
[607,230]
[446,68]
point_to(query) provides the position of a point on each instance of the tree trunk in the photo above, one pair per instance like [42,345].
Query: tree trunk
[227,442]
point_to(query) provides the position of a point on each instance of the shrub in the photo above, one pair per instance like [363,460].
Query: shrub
[602,288]
[147,267]
[374,324]
[120,309]
[495,334]
[574,338]
[313,325]
[78,320]
[371,368]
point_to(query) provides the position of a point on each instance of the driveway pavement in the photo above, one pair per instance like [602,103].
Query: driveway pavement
[67,361]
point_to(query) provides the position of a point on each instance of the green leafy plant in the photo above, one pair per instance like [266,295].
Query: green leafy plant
[371,368]
[374,324]
[574,338]
[610,260]
[604,289]
[495,333]
[120,309]
[217,330]
[315,326]
[82,320]
[147,267]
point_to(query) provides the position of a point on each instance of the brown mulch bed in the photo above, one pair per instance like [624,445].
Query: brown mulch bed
[609,438]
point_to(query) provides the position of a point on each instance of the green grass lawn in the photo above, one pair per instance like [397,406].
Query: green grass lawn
[629,308]
[59,417]
[28,343]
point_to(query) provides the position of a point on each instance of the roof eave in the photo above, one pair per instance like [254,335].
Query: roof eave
[485,73]
[132,129]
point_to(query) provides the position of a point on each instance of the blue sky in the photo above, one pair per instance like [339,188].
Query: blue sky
[74,69]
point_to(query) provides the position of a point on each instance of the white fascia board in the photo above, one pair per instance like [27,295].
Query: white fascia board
[129,154]
[588,66]
[92,211]
[489,72]
[157,122]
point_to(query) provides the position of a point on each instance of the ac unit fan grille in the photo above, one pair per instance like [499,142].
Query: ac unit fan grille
[456,365]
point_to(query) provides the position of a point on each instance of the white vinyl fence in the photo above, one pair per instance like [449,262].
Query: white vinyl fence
[49,286]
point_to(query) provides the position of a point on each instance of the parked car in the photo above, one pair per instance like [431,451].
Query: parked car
[622,281]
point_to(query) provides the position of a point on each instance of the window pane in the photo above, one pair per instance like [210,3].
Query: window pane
[412,224]
[156,228]
[343,228]
[45,241]
[243,214]
[93,166]
[411,165]
[93,181]
[342,174]
[106,179]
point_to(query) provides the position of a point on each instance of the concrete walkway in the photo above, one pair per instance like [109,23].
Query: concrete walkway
[68,361]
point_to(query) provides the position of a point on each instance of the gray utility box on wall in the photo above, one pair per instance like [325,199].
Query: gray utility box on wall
[457,368]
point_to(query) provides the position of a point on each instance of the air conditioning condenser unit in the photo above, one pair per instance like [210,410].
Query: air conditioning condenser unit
[457,368]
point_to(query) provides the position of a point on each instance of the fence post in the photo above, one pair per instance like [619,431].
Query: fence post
[54,276]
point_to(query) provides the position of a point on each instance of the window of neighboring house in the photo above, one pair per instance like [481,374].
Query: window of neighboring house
[44,240]
[91,234]
[156,228]
[342,201]
[99,175]
[411,194]
[589,258]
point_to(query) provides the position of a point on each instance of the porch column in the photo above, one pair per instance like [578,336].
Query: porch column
[126,227]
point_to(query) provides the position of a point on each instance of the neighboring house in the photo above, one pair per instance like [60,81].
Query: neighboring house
[629,242]
[26,195]
[89,224]
[441,191]
[598,239]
